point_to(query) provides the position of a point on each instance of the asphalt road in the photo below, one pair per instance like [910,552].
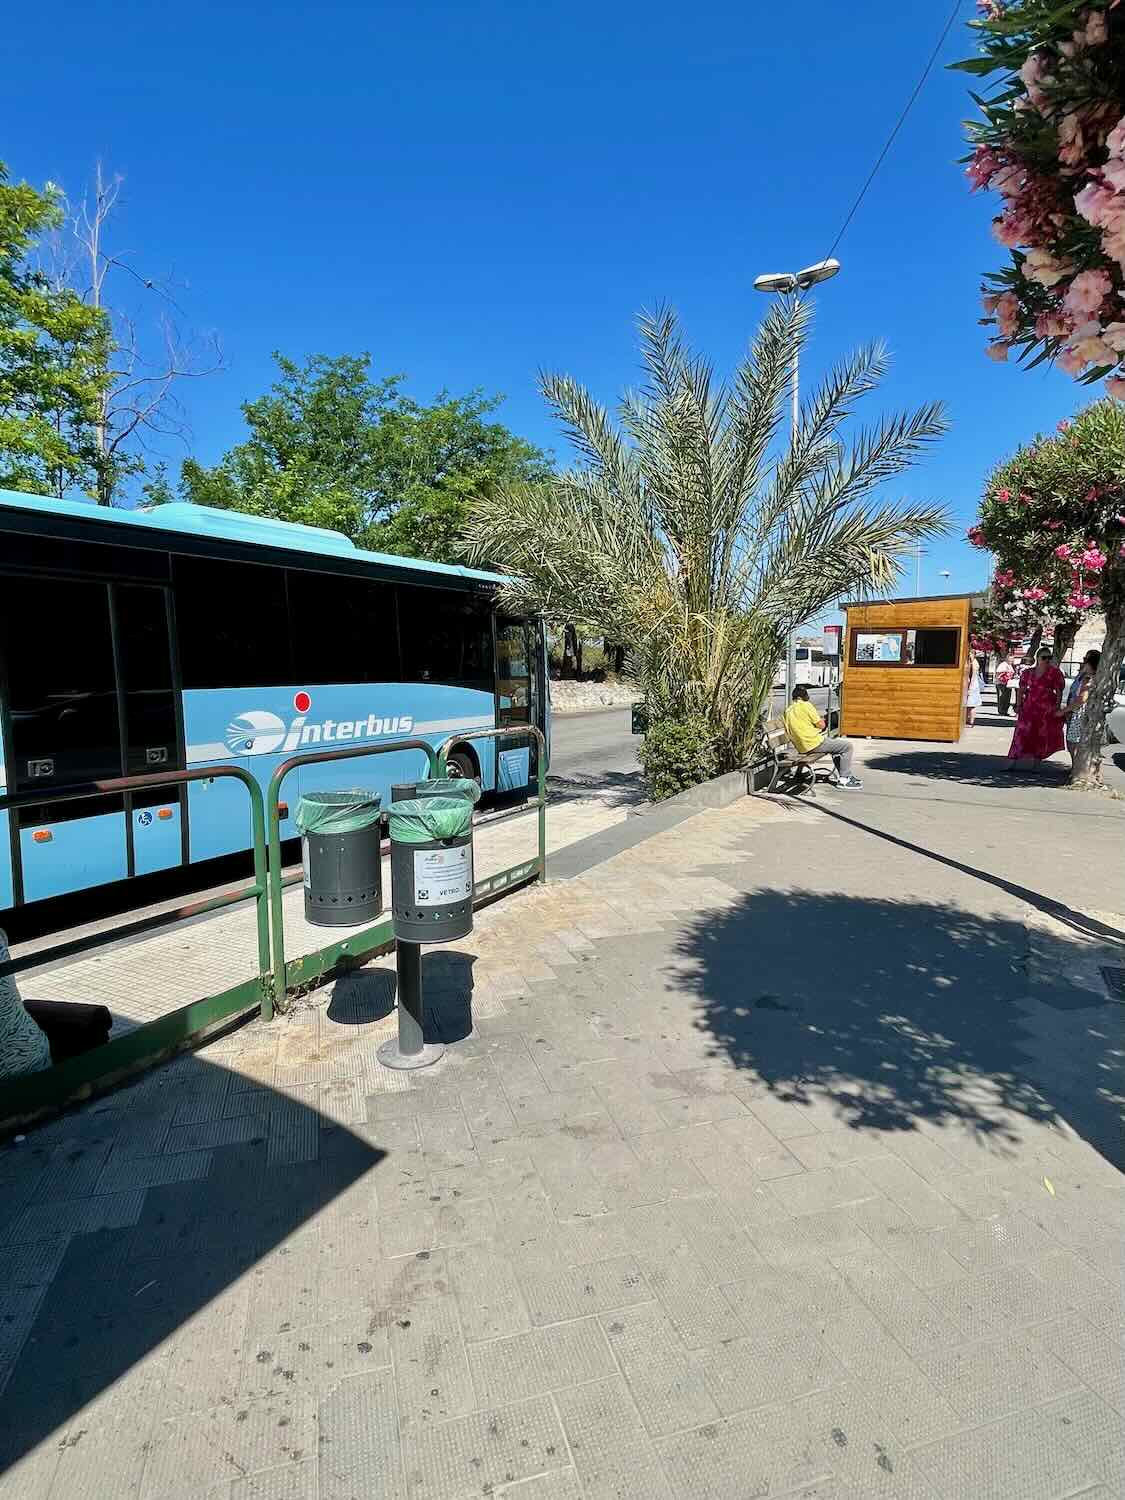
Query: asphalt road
[595,753]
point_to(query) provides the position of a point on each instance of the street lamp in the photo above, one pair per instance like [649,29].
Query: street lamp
[786,284]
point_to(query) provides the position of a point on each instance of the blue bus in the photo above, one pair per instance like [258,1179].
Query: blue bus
[140,641]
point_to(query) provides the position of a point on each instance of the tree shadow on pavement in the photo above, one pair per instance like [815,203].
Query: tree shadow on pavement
[614,788]
[143,1236]
[901,1011]
[975,770]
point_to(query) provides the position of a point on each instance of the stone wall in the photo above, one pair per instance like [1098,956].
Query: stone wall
[572,697]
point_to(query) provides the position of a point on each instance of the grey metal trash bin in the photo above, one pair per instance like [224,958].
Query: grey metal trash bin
[341,834]
[432,867]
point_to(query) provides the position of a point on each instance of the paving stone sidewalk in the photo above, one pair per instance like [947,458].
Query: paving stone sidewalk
[755,1167]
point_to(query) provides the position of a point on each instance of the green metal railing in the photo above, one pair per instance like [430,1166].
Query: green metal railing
[64,1081]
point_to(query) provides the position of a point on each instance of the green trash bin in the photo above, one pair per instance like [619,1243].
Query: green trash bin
[432,867]
[341,837]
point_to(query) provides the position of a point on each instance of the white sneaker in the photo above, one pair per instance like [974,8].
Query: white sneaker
[850,783]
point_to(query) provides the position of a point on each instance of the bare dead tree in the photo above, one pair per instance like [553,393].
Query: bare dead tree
[139,401]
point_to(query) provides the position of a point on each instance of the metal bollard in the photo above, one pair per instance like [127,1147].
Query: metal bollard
[410,1048]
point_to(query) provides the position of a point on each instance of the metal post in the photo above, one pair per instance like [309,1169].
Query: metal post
[791,637]
[410,1048]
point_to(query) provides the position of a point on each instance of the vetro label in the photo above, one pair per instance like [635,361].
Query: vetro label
[443,876]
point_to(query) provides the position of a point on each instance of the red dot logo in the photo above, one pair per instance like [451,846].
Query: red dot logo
[302,702]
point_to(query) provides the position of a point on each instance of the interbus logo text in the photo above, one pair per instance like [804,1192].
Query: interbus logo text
[259,732]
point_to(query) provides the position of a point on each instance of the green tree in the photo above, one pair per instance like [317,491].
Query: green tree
[53,352]
[329,445]
[683,533]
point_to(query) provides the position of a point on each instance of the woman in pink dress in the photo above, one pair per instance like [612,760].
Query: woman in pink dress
[1039,730]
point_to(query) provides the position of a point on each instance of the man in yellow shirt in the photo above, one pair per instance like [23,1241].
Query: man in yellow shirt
[807,730]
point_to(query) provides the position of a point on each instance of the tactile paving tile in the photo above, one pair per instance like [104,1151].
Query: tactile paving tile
[545,1359]
[359,1442]
[771,1366]
[476,1454]
[122,1173]
[992,1377]
[34,1264]
[612,1452]
[429,1360]
[190,1454]
[487,1292]
[291,1482]
[667,1386]
[46,1221]
[1018,1456]
[579,1291]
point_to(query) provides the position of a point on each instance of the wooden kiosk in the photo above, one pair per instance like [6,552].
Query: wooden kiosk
[904,668]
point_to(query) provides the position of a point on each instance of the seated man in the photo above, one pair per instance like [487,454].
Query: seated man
[806,729]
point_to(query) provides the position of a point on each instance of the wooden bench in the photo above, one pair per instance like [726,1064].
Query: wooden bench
[785,763]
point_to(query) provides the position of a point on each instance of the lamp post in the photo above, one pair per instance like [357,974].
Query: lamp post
[787,284]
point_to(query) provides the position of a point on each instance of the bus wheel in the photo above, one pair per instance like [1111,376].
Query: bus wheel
[461,763]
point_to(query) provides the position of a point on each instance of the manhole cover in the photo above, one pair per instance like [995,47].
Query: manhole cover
[1114,981]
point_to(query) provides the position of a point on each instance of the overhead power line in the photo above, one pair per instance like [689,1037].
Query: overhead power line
[897,127]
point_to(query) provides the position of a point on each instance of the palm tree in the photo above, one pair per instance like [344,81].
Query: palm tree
[682,531]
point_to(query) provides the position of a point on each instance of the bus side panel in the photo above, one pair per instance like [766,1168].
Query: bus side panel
[78,853]
[156,838]
[218,817]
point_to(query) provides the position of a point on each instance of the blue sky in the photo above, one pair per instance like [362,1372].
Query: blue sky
[476,191]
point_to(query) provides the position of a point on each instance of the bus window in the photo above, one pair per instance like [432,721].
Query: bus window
[233,624]
[61,692]
[151,735]
[446,637]
[344,629]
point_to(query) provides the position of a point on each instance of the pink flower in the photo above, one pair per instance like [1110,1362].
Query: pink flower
[1071,362]
[1027,499]
[1072,144]
[1053,525]
[1008,314]
[1093,559]
[1079,600]
[975,536]
[1034,594]
[1115,386]
[1004,579]
[983,166]
[1041,266]
[1004,496]
[1115,141]
[1087,292]
[1113,334]
[1064,552]
[1096,33]
[1114,173]
[1052,325]
[1011,229]
[1097,204]
[997,350]
[1064,424]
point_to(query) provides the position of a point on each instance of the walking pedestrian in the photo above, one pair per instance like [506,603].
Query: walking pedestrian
[1077,699]
[1005,676]
[972,691]
[1039,729]
[807,730]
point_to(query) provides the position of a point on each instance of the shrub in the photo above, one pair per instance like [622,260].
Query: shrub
[677,754]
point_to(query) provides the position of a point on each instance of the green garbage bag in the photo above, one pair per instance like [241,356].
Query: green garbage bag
[421,820]
[449,786]
[337,812]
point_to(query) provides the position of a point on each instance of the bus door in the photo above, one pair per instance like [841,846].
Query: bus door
[520,699]
[89,696]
